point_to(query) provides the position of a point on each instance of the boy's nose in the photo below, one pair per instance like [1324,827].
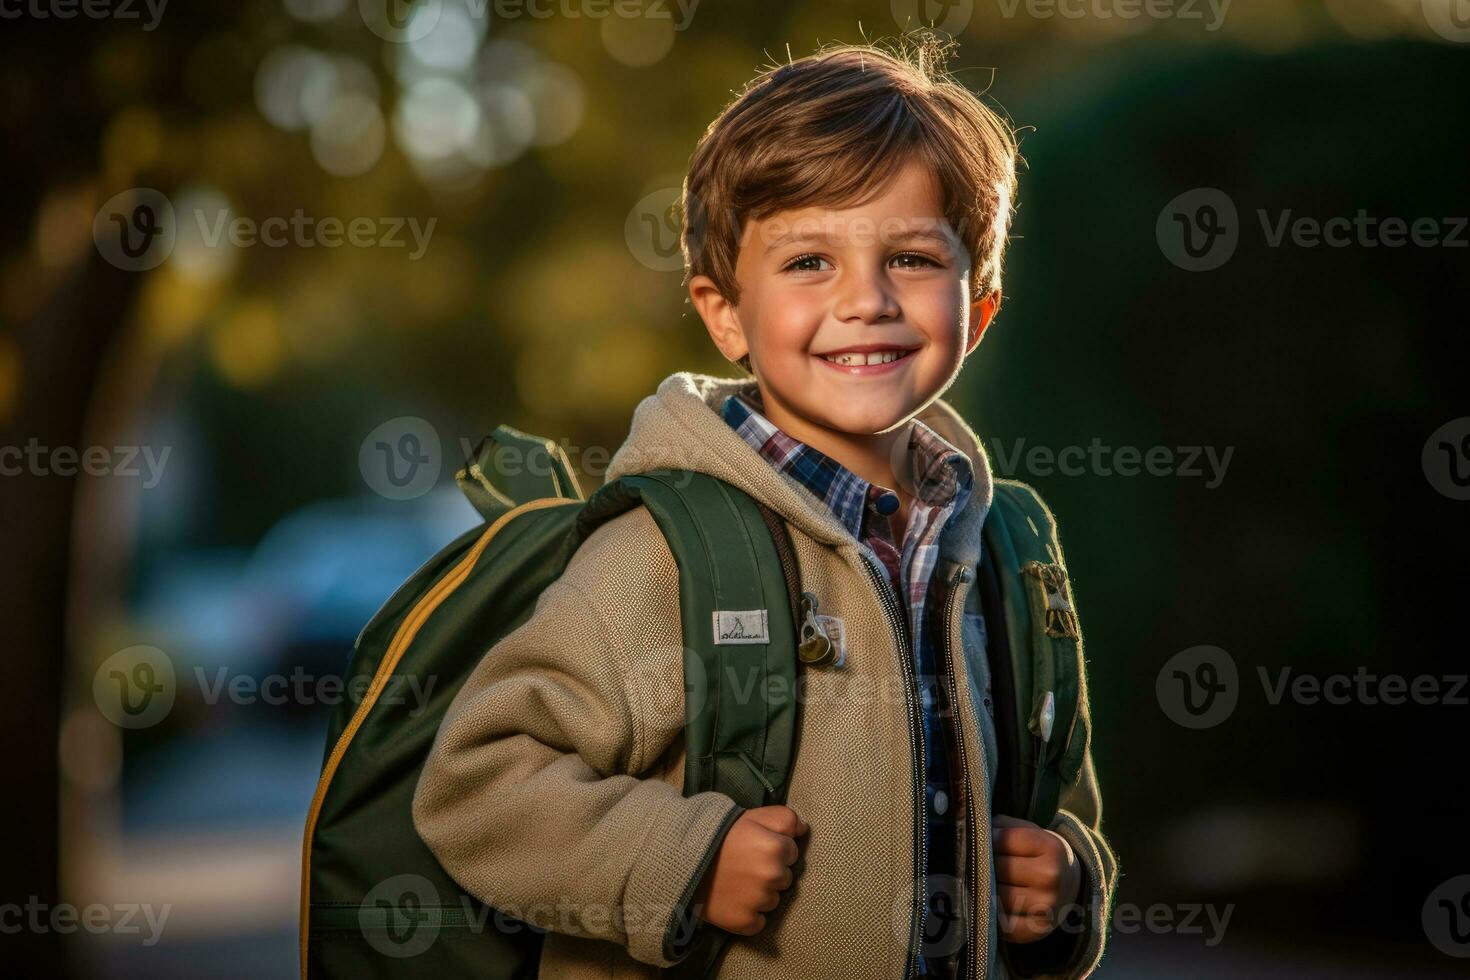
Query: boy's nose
[865,297]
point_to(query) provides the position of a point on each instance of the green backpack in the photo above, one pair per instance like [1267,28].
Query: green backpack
[374,900]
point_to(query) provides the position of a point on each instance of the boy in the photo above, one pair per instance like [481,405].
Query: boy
[845,219]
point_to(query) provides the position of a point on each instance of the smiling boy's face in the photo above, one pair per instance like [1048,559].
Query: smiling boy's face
[827,294]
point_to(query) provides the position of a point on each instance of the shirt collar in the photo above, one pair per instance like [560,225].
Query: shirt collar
[940,473]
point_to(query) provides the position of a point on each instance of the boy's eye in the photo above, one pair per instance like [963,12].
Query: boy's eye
[805,263]
[915,260]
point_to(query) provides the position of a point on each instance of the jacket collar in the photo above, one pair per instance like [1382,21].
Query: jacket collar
[679,427]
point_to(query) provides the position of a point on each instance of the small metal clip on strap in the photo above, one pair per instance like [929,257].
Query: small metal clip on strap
[1061,621]
[815,647]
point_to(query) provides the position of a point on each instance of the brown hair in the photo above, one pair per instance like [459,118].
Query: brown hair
[831,129]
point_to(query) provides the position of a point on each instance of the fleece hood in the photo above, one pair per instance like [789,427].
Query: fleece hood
[679,426]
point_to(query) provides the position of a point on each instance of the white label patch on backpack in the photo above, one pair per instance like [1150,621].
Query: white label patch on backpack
[741,626]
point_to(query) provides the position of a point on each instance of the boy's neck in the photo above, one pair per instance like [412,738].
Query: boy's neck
[869,456]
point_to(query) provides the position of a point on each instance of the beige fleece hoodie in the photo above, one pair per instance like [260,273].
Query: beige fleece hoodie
[554,790]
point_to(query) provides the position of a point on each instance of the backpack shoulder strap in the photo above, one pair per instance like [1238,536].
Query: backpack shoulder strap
[1039,655]
[737,603]
[739,630]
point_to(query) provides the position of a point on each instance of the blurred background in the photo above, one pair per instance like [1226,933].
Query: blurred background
[245,243]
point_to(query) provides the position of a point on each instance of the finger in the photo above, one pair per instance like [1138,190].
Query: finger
[1023,901]
[1019,841]
[780,819]
[1001,820]
[1023,928]
[1020,872]
[752,925]
[768,901]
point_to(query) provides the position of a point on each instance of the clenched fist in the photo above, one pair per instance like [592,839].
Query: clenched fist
[752,869]
[1037,875]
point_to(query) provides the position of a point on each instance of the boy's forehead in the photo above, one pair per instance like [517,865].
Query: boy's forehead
[847,227]
[908,208]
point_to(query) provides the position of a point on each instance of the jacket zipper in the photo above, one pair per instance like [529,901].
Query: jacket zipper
[978,940]
[893,612]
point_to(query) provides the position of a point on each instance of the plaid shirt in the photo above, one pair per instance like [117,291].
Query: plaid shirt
[942,480]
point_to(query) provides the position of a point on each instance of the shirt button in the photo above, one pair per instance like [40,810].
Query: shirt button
[887,502]
[941,801]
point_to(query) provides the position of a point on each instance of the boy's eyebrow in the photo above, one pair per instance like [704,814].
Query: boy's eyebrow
[923,234]
[926,233]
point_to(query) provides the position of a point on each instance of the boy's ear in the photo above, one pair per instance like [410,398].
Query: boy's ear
[719,317]
[981,315]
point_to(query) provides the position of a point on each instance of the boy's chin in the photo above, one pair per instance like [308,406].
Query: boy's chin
[868,422]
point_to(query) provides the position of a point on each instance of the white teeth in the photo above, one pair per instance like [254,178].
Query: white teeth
[853,358]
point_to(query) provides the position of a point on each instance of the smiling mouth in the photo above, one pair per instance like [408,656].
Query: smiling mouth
[859,359]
